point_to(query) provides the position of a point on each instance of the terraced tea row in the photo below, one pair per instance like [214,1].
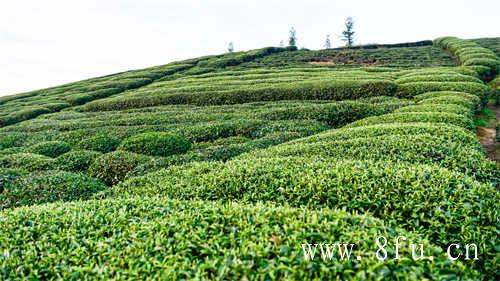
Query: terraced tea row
[251,86]
[24,106]
[217,133]
[235,87]
[255,241]
[396,56]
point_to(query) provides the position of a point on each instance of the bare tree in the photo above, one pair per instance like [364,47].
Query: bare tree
[348,33]
[328,44]
[230,47]
[292,37]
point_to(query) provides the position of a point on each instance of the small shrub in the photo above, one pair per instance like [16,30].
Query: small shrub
[112,167]
[156,144]
[50,148]
[26,161]
[7,179]
[11,139]
[44,187]
[101,143]
[76,161]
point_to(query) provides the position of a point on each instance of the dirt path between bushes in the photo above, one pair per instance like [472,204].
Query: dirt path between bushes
[487,136]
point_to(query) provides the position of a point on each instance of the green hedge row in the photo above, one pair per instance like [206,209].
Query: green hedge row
[408,90]
[411,117]
[424,198]
[437,78]
[470,53]
[202,240]
[327,90]
[23,114]
[241,57]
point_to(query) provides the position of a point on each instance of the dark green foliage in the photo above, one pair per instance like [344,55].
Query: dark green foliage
[7,178]
[156,144]
[112,167]
[8,140]
[100,143]
[239,57]
[326,90]
[50,148]
[192,240]
[396,57]
[26,161]
[24,114]
[43,187]
[76,160]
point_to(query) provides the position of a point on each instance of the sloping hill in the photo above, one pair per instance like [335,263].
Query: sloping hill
[223,167]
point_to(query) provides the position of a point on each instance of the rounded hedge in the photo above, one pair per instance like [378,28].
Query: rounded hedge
[112,167]
[26,161]
[156,144]
[44,187]
[11,139]
[50,148]
[101,143]
[76,161]
[161,239]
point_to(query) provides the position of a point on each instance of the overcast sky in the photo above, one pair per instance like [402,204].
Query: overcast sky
[49,42]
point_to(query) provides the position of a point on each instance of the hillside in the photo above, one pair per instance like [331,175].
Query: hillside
[221,167]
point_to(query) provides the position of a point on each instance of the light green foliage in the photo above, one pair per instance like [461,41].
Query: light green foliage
[76,160]
[259,241]
[156,144]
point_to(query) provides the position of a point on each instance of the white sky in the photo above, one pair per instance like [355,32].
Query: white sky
[49,42]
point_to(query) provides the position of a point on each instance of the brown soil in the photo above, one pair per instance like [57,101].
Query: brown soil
[487,136]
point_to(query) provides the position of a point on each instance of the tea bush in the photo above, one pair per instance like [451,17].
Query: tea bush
[26,161]
[265,243]
[156,144]
[50,148]
[472,54]
[49,186]
[8,140]
[112,167]
[327,90]
[100,143]
[415,88]
[76,160]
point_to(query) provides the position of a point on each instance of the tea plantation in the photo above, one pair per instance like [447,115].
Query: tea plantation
[222,167]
